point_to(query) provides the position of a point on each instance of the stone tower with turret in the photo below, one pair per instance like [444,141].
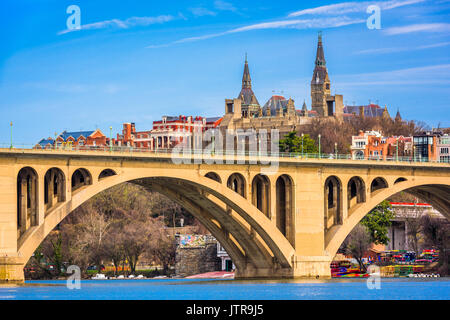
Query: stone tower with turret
[320,83]
[250,106]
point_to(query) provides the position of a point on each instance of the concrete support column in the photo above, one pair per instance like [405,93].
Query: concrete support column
[50,189]
[41,202]
[345,205]
[310,206]
[23,206]
[273,202]
[11,270]
[34,208]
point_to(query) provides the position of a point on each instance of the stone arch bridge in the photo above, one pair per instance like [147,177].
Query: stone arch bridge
[283,224]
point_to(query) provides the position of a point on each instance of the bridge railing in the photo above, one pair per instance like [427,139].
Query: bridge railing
[169,151]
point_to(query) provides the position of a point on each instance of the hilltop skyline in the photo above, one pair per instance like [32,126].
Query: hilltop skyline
[136,62]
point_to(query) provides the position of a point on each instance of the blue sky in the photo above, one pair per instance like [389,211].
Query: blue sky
[134,61]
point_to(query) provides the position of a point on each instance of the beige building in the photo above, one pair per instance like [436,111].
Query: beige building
[245,112]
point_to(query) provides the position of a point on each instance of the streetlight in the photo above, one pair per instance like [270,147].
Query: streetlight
[302,144]
[110,139]
[319,146]
[11,146]
[414,153]
[397,150]
[54,142]
[335,149]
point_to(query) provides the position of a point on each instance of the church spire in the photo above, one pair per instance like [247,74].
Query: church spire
[398,117]
[246,79]
[320,56]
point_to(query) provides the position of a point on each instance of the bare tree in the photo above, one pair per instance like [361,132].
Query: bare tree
[357,244]
[437,235]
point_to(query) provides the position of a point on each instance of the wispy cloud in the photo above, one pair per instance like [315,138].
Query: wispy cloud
[293,24]
[425,27]
[200,12]
[402,49]
[352,7]
[224,6]
[124,24]
[435,74]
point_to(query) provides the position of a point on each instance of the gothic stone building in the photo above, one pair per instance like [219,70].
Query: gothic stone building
[245,112]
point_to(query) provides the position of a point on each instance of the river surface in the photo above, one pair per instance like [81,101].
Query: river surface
[204,289]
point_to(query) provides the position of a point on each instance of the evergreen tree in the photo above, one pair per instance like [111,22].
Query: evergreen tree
[293,144]
[378,221]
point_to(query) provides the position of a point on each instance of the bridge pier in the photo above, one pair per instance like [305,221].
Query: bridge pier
[11,270]
[310,267]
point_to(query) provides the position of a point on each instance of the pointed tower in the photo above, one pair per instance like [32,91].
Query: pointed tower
[320,83]
[385,114]
[304,109]
[250,105]
[397,116]
[290,108]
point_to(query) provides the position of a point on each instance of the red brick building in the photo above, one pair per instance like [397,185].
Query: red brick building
[166,133]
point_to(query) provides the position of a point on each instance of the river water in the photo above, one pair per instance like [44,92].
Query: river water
[204,289]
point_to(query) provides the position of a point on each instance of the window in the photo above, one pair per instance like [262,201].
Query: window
[444,150]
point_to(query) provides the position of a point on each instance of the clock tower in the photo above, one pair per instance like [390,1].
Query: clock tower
[320,84]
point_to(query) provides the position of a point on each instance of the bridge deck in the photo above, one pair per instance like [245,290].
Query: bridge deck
[232,158]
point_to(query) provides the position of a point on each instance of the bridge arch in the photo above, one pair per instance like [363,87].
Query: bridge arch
[200,193]
[378,183]
[333,202]
[356,191]
[27,199]
[106,173]
[261,194]
[285,207]
[236,182]
[81,177]
[401,179]
[214,176]
[434,190]
[54,187]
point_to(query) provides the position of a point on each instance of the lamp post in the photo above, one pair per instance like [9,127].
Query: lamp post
[110,139]
[414,153]
[55,140]
[335,150]
[397,151]
[11,146]
[319,146]
[302,144]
